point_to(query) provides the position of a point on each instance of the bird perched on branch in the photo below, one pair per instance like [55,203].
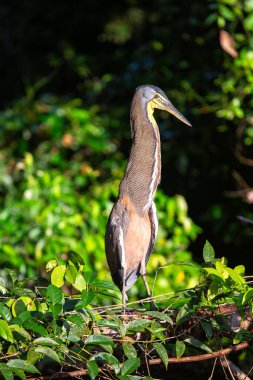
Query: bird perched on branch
[132,226]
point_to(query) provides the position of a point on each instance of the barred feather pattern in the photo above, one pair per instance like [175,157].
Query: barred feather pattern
[142,174]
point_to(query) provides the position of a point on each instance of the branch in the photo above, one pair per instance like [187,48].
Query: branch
[186,359]
[197,358]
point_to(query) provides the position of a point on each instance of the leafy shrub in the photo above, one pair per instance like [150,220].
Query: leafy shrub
[49,323]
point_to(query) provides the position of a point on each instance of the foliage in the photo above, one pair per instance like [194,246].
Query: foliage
[131,43]
[59,176]
[44,325]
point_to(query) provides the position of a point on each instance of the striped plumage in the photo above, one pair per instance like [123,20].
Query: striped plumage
[132,226]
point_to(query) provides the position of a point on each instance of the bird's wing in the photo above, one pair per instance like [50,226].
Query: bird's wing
[154,229]
[114,246]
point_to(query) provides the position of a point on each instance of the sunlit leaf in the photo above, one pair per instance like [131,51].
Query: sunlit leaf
[129,350]
[130,365]
[57,275]
[22,364]
[160,316]
[138,325]
[98,339]
[48,352]
[45,341]
[208,252]
[161,350]
[79,283]
[5,331]
[51,265]
[180,348]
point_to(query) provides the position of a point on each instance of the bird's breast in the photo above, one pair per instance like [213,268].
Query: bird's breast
[137,236]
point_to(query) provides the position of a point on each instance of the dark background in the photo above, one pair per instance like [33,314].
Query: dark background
[101,51]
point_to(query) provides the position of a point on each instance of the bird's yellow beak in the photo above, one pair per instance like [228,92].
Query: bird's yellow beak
[164,104]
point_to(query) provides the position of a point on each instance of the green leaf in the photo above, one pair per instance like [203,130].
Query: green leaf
[208,252]
[76,319]
[75,258]
[105,285]
[213,290]
[214,272]
[70,274]
[54,294]
[56,309]
[235,276]
[51,265]
[5,331]
[22,304]
[130,366]
[240,269]
[207,327]
[87,297]
[108,358]
[32,356]
[98,339]
[160,316]
[57,275]
[180,348]
[45,341]
[6,372]
[89,276]
[79,283]
[156,331]
[12,274]
[242,336]
[36,327]
[48,352]
[161,350]
[247,296]
[5,313]
[129,350]
[227,13]
[92,369]
[184,313]
[20,373]
[22,364]
[16,329]
[197,343]
[138,325]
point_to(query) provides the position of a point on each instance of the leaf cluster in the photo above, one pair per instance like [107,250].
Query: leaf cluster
[60,321]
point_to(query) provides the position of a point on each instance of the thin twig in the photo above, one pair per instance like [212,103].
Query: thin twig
[237,372]
[226,364]
[214,365]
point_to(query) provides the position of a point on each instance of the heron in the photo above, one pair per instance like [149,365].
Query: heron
[132,226]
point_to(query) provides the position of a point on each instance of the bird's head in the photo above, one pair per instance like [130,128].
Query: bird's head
[156,98]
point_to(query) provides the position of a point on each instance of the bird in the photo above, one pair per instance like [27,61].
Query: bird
[132,226]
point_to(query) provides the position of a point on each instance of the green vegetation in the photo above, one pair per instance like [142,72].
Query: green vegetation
[58,193]
[67,82]
[48,326]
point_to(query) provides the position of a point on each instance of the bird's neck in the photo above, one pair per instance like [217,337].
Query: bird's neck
[143,170]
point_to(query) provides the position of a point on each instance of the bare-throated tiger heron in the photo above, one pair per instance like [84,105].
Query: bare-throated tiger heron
[132,226]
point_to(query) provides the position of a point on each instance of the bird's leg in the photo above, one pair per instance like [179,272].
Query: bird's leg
[124,295]
[144,277]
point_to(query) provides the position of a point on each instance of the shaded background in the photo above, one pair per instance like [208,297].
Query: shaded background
[68,73]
